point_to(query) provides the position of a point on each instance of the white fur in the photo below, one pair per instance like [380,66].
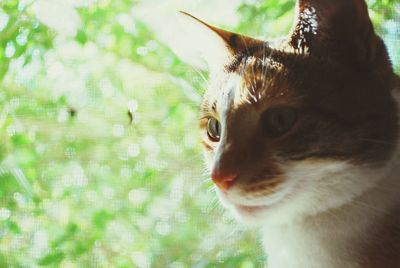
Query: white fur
[338,227]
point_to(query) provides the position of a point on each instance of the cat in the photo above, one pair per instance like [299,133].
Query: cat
[301,136]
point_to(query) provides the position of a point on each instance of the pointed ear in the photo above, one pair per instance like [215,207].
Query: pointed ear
[217,46]
[339,28]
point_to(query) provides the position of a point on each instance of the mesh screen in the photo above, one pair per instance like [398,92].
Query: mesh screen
[100,159]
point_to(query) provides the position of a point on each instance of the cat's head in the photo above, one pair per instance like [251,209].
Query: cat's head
[295,127]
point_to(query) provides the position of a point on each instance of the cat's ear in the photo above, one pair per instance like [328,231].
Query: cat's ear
[340,28]
[217,46]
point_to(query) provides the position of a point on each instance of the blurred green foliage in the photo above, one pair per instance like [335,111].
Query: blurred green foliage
[100,164]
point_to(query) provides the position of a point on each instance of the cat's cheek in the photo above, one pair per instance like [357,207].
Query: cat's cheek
[330,185]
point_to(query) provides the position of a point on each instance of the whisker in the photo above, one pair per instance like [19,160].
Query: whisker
[378,141]
[367,206]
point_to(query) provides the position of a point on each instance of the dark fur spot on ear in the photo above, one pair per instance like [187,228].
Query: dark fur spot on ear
[232,40]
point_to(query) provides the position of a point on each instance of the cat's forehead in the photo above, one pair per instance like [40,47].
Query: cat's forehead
[256,80]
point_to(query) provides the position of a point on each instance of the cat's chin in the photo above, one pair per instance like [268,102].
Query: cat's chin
[253,215]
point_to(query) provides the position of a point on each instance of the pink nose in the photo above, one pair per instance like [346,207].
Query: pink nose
[223,179]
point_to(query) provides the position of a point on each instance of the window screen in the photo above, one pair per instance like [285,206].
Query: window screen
[100,156]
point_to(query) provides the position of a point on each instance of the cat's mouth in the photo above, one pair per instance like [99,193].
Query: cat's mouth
[250,214]
[250,209]
[243,210]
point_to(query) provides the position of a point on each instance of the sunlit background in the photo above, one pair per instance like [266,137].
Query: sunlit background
[100,162]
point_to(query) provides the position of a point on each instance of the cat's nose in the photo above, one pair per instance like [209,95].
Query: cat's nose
[223,179]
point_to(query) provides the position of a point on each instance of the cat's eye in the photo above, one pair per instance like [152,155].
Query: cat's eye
[213,129]
[278,121]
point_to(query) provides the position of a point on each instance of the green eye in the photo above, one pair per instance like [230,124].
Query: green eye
[213,129]
[278,121]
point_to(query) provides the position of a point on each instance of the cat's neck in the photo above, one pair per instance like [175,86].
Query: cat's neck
[363,233]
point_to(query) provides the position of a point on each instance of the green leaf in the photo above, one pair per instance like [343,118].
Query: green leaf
[51,258]
[13,227]
[101,218]
[81,37]
[69,233]
[20,139]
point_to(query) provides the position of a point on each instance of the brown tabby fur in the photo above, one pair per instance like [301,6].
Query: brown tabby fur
[343,88]
[335,71]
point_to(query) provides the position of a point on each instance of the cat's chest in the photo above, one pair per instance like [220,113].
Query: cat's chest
[296,248]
